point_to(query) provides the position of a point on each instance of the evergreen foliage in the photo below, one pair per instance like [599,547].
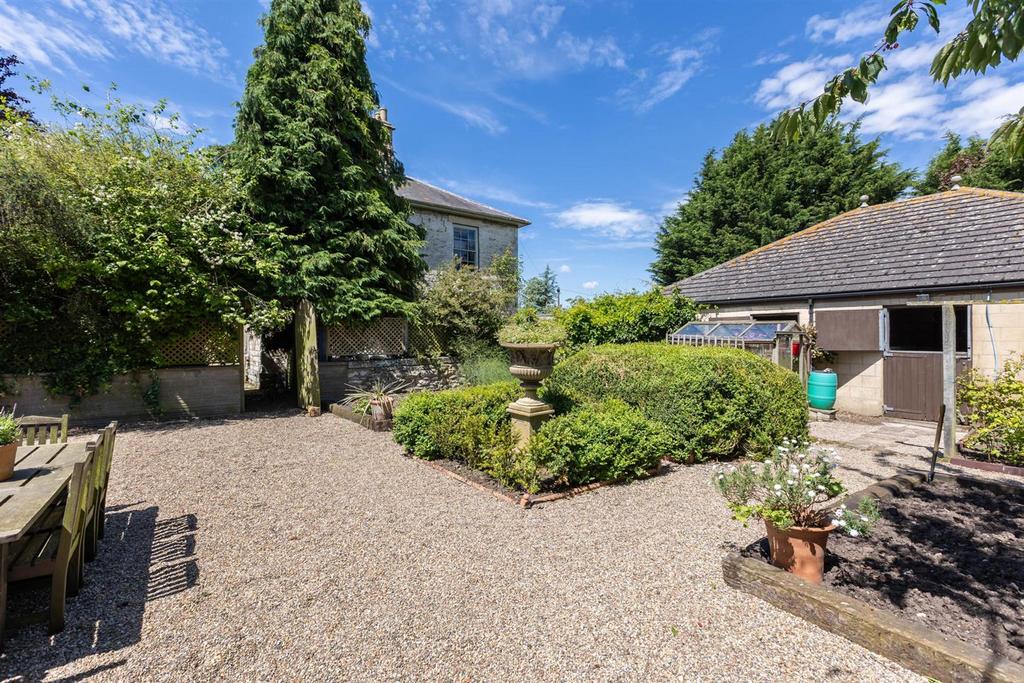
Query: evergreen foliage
[626,317]
[977,162]
[760,190]
[11,103]
[319,165]
[541,292]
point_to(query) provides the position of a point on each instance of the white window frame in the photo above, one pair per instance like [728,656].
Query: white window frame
[476,242]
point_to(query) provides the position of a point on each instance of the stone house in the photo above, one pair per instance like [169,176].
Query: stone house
[457,227]
[873,281]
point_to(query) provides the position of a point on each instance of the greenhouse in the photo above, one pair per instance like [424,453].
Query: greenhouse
[780,341]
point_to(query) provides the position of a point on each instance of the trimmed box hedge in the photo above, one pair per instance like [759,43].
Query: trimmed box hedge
[715,402]
[604,441]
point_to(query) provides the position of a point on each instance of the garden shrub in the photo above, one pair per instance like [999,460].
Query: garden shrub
[995,412]
[482,363]
[603,441]
[715,402]
[456,424]
[625,318]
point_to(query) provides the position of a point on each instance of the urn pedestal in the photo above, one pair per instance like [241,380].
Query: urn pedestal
[531,364]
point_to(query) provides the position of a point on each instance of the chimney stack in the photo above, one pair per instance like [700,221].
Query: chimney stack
[382,116]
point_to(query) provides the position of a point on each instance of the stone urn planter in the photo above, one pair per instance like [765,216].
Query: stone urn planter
[530,364]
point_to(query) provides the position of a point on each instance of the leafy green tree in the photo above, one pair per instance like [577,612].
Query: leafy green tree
[541,292]
[115,236]
[760,190]
[995,31]
[318,164]
[978,163]
[11,103]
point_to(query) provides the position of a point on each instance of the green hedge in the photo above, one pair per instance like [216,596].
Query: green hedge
[715,402]
[605,441]
[452,424]
[625,318]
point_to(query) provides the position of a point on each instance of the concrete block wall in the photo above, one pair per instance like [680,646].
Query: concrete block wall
[200,391]
[1006,330]
[493,238]
[860,381]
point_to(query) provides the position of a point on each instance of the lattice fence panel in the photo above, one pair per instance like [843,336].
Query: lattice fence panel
[209,344]
[382,337]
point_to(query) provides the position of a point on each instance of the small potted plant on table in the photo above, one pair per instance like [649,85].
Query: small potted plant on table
[794,493]
[531,342]
[9,433]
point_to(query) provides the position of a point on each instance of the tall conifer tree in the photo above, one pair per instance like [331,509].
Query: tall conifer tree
[760,189]
[318,163]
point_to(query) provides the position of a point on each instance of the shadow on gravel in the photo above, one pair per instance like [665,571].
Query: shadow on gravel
[141,558]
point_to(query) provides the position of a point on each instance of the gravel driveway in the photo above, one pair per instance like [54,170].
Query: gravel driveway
[290,548]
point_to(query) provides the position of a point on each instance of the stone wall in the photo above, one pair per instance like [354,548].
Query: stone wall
[859,374]
[199,391]
[337,377]
[493,238]
[1002,328]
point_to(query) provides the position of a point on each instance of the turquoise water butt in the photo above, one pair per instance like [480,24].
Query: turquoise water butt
[821,389]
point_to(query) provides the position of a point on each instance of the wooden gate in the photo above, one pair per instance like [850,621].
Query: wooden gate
[912,384]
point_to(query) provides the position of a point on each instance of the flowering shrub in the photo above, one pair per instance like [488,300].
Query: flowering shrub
[793,488]
[995,412]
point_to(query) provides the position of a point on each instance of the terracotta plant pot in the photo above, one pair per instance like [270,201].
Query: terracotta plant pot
[7,453]
[531,364]
[800,550]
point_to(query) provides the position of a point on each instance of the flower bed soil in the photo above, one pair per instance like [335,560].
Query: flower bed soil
[487,484]
[948,555]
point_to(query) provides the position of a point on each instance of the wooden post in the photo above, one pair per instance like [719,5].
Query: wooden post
[949,378]
[307,365]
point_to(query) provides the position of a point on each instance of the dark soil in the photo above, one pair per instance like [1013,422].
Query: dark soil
[947,555]
[474,475]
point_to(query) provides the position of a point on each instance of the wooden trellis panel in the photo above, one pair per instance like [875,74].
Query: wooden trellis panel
[209,344]
[383,337]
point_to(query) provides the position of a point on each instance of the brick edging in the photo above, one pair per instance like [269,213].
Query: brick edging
[528,500]
[997,467]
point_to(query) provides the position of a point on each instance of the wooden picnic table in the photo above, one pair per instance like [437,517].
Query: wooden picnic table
[41,473]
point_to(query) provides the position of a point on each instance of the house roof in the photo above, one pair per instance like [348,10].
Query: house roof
[961,239]
[425,195]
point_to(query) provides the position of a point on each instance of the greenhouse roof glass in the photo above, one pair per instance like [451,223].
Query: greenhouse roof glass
[748,331]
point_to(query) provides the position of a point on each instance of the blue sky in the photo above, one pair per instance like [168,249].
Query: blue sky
[589,118]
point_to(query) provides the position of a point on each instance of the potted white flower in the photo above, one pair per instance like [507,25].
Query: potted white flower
[9,437]
[794,493]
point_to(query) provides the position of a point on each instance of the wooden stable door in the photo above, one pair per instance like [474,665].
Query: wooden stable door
[912,383]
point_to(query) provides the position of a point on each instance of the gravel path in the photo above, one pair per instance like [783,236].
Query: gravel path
[291,548]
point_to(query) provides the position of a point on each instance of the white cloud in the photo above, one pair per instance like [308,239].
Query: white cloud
[983,105]
[771,58]
[909,108]
[493,192]
[678,65]
[607,218]
[564,268]
[672,205]
[48,42]
[155,30]
[590,284]
[798,81]
[863,22]
[476,115]
[592,51]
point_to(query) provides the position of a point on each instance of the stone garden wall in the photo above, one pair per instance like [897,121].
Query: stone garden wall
[419,374]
